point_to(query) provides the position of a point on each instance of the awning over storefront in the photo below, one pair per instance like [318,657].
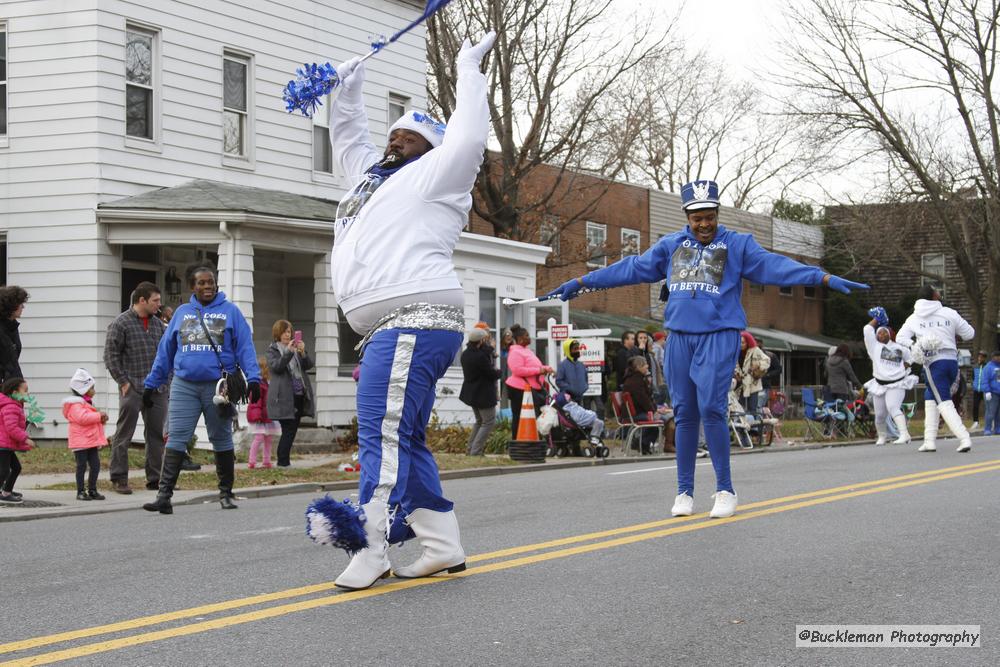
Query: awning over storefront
[619,324]
[783,341]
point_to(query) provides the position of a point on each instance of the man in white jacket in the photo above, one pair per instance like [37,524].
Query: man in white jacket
[394,278]
[936,329]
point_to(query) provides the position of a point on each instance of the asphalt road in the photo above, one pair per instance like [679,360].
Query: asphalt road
[822,537]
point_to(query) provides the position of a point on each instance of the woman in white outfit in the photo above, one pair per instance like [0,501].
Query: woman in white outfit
[936,329]
[892,378]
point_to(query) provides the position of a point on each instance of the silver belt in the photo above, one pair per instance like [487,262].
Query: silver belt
[425,316]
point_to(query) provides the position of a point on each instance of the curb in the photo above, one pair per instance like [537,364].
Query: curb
[289,489]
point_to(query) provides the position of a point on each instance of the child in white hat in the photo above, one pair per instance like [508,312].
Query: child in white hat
[86,432]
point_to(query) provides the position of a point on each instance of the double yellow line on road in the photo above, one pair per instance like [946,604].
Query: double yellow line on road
[585,543]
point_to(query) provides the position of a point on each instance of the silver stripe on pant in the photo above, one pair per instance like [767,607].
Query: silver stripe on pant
[394,401]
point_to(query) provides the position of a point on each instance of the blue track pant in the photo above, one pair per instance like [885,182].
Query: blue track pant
[396,390]
[699,369]
[943,373]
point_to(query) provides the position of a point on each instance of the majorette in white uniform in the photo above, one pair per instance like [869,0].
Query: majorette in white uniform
[890,362]
[394,278]
[936,328]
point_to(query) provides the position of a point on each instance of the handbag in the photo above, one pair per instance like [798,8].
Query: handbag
[235,386]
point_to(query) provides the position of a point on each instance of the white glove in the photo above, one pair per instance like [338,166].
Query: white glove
[470,56]
[352,78]
[988,396]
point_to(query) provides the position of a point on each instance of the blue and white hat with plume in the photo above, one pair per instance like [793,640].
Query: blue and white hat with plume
[700,194]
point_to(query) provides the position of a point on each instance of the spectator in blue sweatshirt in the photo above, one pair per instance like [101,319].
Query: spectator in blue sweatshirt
[991,392]
[206,335]
[704,265]
[978,386]
[571,374]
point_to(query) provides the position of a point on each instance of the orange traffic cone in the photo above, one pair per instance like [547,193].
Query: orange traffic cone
[527,428]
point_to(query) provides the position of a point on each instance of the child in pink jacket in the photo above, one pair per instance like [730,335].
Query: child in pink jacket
[13,437]
[262,426]
[86,432]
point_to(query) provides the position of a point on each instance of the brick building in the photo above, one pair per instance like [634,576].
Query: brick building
[585,222]
[899,247]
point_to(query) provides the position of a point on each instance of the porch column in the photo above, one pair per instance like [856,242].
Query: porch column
[327,345]
[237,254]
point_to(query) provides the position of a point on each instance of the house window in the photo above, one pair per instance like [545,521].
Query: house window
[809,291]
[548,233]
[235,104]
[631,242]
[398,105]
[597,237]
[932,266]
[488,306]
[140,82]
[3,79]
[785,291]
[322,150]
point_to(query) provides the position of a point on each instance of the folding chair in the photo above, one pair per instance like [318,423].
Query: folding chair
[625,414]
[618,411]
[818,413]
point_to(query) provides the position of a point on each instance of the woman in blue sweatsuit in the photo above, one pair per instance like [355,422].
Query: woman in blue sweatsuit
[704,265]
[205,334]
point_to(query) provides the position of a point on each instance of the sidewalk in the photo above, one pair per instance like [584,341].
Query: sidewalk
[44,504]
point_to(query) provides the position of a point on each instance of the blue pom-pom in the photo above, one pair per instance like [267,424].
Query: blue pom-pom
[306,93]
[879,315]
[339,524]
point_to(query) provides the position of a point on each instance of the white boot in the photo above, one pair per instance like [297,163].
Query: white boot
[371,563]
[437,533]
[954,421]
[904,434]
[881,430]
[930,427]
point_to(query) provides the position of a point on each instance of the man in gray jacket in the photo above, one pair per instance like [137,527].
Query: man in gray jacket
[129,351]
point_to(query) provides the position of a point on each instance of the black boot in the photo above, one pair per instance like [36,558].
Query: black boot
[225,468]
[168,478]
[189,464]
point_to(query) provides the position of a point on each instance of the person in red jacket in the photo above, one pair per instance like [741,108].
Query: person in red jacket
[13,437]
[262,426]
[86,432]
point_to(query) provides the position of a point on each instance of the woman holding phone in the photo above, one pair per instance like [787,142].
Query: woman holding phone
[290,396]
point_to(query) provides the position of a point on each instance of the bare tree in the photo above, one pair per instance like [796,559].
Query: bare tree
[909,84]
[552,64]
[679,117]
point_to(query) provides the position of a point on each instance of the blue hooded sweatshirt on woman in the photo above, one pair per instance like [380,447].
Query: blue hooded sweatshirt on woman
[705,282]
[185,350]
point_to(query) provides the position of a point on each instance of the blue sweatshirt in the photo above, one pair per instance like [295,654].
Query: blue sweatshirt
[991,378]
[571,377]
[978,379]
[185,349]
[705,282]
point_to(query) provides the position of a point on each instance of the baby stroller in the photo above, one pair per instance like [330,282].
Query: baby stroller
[566,437]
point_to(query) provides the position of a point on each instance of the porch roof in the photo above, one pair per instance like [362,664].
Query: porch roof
[204,195]
[784,341]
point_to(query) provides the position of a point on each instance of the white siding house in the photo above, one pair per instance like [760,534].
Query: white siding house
[145,135]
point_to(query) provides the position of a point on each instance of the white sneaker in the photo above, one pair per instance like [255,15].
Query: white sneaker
[975,426]
[683,505]
[725,505]
[927,447]
[964,445]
